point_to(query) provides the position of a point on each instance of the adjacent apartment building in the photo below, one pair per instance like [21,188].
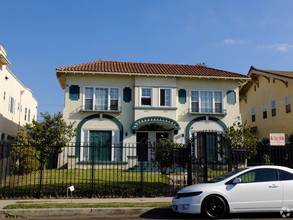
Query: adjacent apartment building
[265,102]
[124,102]
[18,106]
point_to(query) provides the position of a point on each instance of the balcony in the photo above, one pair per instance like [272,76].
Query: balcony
[100,109]
[207,111]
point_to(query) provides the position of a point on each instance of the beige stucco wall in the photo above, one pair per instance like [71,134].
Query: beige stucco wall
[133,110]
[25,102]
[268,90]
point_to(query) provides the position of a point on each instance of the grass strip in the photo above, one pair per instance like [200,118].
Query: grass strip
[90,205]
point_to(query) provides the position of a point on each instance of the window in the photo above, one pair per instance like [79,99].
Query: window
[29,115]
[165,97]
[283,175]
[194,101]
[218,102]
[259,175]
[252,114]
[101,99]
[288,104]
[25,114]
[264,111]
[206,101]
[146,96]
[273,107]
[88,98]
[4,95]
[11,104]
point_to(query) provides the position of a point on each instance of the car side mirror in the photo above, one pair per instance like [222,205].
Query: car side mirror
[236,181]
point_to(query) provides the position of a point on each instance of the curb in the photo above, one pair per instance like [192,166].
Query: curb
[90,212]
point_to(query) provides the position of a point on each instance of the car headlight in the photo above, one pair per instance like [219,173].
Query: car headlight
[189,194]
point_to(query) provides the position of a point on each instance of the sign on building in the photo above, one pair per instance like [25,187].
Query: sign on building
[277,139]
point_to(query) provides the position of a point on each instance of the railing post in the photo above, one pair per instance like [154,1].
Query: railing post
[41,171]
[93,170]
[190,162]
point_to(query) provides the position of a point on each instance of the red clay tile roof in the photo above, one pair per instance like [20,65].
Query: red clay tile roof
[102,66]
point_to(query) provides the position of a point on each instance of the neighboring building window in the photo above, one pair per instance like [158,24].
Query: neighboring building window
[146,96]
[264,111]
[165,97]
[12,104]
[273,106]
[25,114]
[206,101]
[4,96]
[252,114]
[29,115]
[101,98]
[288,104]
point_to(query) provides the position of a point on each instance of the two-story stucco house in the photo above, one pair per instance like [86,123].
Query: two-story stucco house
[18,106]
[265,102]
[124,102]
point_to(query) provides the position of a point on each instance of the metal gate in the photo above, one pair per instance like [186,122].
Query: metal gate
[211,155]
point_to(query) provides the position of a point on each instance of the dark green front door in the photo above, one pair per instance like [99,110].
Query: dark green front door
[101,145]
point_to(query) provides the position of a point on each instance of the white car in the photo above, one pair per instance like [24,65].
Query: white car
[264,188]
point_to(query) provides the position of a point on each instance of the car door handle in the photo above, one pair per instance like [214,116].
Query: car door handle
[273,186]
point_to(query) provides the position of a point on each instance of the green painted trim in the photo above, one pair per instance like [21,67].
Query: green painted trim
[90,117]
[135,125]
[203,118]
[156,108]
[163,87]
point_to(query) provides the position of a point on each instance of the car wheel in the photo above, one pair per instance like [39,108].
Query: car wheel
[214,207]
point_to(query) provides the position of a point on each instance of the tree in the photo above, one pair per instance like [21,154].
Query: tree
[242,138]
[164,153]
[23,155]
[49,136]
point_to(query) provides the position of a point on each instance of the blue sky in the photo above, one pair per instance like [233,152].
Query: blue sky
[41,35]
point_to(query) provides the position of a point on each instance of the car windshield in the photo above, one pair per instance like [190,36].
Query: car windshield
[225,176]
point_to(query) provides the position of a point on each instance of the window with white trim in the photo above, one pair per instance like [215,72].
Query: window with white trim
[146,96]
[11,105]
[206,101]
[101,99]
[165,97]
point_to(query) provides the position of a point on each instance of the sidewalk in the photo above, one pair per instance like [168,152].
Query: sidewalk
[39,213]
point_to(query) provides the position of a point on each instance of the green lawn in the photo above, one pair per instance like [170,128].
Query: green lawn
[89,205]
[114,179]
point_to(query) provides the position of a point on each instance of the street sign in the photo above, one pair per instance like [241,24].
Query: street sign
[277,139]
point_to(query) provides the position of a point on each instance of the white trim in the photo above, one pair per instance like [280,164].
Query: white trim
[151,96]
[159,99]
[213,99]
[109,96]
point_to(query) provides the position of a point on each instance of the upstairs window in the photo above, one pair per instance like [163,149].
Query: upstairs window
[101,99]
[288,104]
[206,101]
[165,97]
[252,114]
[146,96]
[264,111]
[273,108]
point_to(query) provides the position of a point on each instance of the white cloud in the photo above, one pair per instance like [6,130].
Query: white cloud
[232,41]
[277,47]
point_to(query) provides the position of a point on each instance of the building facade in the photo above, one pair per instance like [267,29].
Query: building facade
[18,105]
[265,102]
[121,102]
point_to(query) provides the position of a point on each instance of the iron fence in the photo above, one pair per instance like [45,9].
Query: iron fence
[128,170]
